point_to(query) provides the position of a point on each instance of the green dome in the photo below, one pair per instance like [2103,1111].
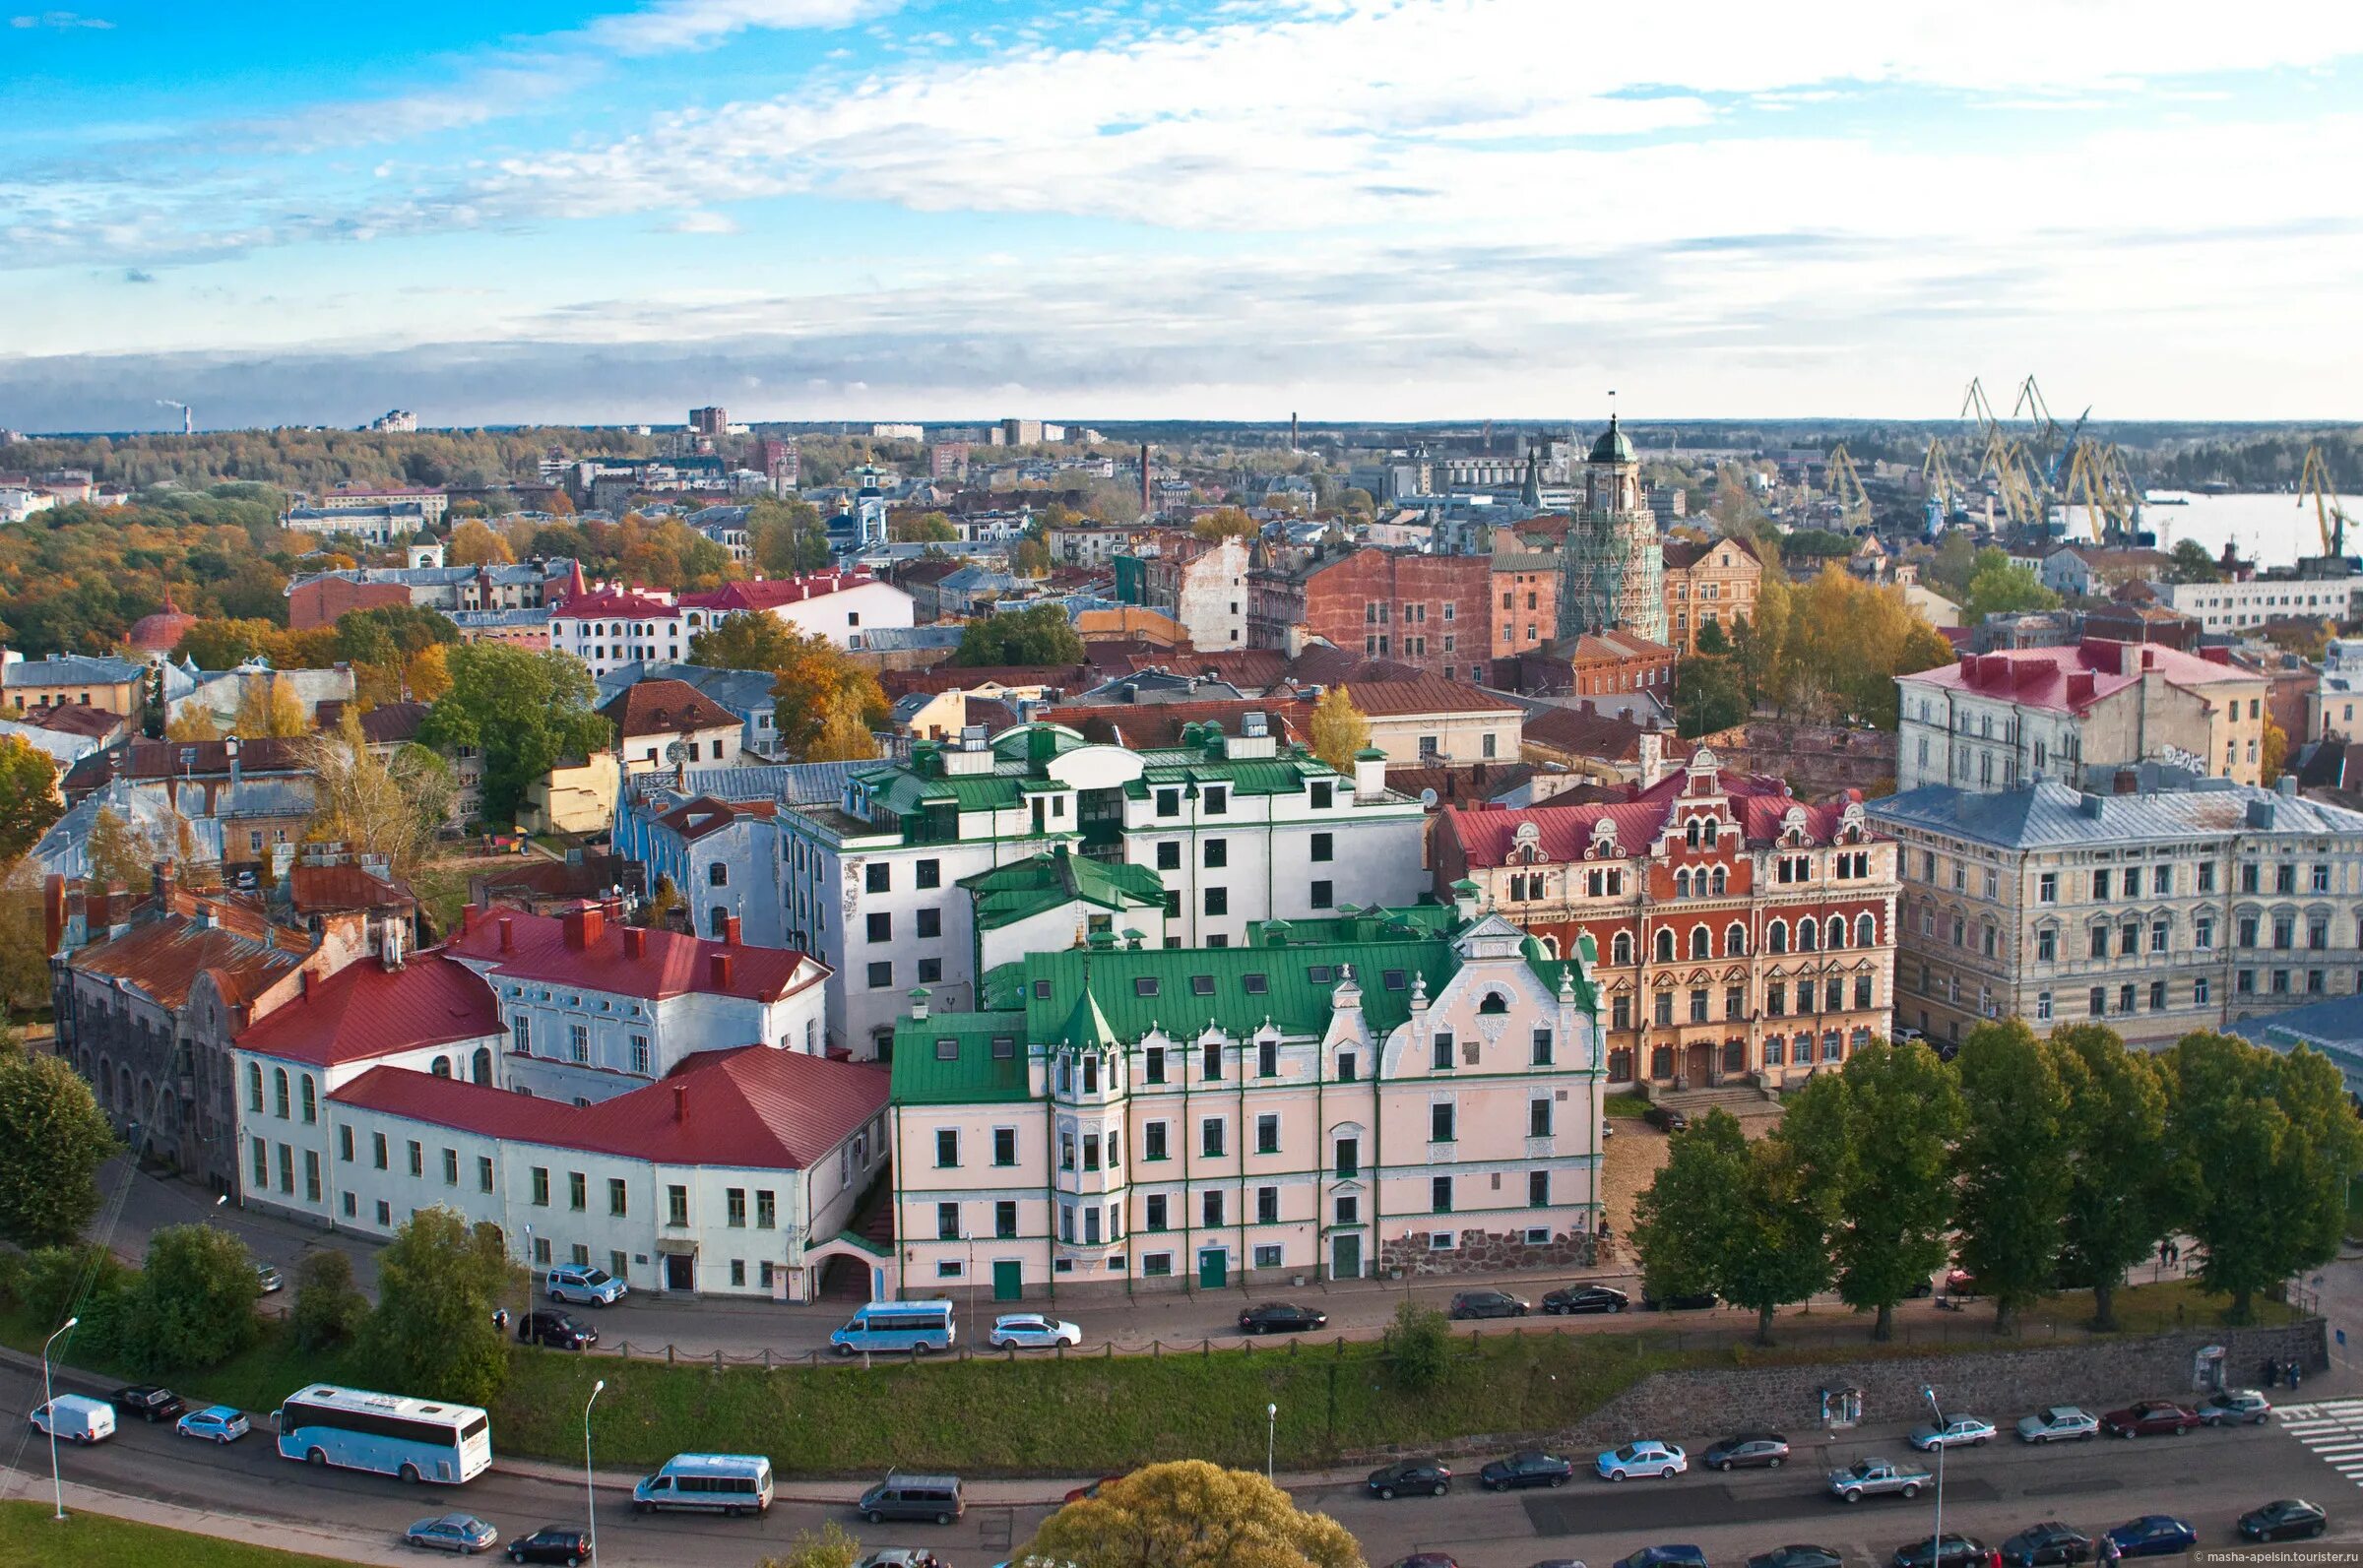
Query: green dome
[1611,447]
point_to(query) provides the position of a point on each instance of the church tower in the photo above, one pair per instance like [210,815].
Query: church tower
[1614,575]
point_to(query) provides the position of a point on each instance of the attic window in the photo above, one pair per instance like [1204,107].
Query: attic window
[1144,986]
[947,1050]
[1495,1002]
[1392,979]
[1255,984]
[1202,985]
[1319,974]
[1042,990]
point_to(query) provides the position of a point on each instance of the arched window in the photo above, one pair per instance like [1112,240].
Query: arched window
[1710,834]
[1550,947]
[1866,930]
[1665,945]
[106,1084]
[1809,933]
[722,919]
[127,1105]
[442,1067]
[279,1091]
[1735,940]
[1619,950]
[479,1069]
[1720,874]
[254,1085]
[1661,1061]
[1691,833]
[1698,942]
[1495,1002]
[312,1099]
[1682,882]
[1776,937]
[1837,932]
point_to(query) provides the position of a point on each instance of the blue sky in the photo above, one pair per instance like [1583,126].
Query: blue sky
[1371,209]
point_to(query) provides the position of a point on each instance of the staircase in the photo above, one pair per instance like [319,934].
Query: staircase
[1741,1099]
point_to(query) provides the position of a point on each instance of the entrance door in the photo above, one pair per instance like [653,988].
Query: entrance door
[1008,1279]
[681,1271]
[1345,1257]
[1698,1070]
[1214,1269]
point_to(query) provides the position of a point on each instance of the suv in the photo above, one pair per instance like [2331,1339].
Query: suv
[556,1331]
[581,1283]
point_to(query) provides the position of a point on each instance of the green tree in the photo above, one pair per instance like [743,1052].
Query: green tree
[1735,1220]
[194,1303]
[438,1283]
[522,709]
[2193,563]
[391,634]
[2121,1190]
[330,1310]
[1950,571]
[1708,697]
[225,643]
[55,1138]
[746,642]
[2002,589]
[1418,1345]
[28,800]
[2011,1162]
[787,537]
[1041,635]
[1712,640]
[1030,557]
[2266,1146]
[1189,1514]
[825,705]
[1339,729]
[1878,1135]
[928,528]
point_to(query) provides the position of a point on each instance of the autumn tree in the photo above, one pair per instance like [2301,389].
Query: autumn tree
[268,706]
[1339,728]
[116,851]
[1224,523]
[787,537]
[389,806]
[523,709]
[1030,557]
[745,641]
[226,644]
[23,939]
[1190,1514]
[474,544]
[194,723]
[28,799]
[2275,751]
[926,527]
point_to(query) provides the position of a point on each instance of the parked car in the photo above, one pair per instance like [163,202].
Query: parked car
[216,1424]
[267,1279]
[1662,1558]
[556,1331]
[2289,1519]
[1769,1450]
[1797,1557]
[1946,1551]
[74,1419]
[1089,1489]
[1558,1562]
[1645,1457]
[1426,1559]
[584,1286]
[2235,1407]
[2049,1545]
[459,1532]
[1527,1468]
[149,1403]
[1666,1119]
[1031,1331]
[1406,1475]
[552,1544]
[2148,1419]
[1487,1305]
[1697,1301]
[1877,1477]
[2153,1535]
[1574,1299]
[2061,1423]
[1958,1431]
[1281,1317]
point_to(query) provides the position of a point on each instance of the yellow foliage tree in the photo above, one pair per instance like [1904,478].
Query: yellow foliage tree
[1189,1514]
[2275,751]
[1339,728]
[844,734]
[194,723]
[1223,523]
[268,706]
[427,676]
[472,544]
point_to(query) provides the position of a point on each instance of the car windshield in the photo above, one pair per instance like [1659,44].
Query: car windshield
[594,1277]
[1630,1451]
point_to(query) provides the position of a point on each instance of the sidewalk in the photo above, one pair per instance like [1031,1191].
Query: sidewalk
[337,1545]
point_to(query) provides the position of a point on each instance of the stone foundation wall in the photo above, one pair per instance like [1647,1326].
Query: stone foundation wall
[1484,1252]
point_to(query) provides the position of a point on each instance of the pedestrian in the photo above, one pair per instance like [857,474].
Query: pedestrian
[500,1319]
[2108,1549]
[2293,1376]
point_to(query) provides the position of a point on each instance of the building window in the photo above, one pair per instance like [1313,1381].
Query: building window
[948,1222]
[878,877]
[1440,1194]
[1322,845]
[1267,1205]
[1218,900]
[1441,1124]
[881,975]
[1169,856]
[734,1208]
[1538,1190]
[947,1147]
[1153,1064]
[1155,1212]
[344,1145]
[1542,1048]
[1325,895]
[1211,1067]
[676,1207]
[1004,1219]
[1538,1118]
[1210,1210]
[541,1186]
[1211,1137]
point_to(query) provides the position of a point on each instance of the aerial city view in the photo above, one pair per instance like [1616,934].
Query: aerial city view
[1283,783]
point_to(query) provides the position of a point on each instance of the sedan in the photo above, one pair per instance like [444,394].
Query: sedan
[1946,1551]
[2061,1423]
[1647,1457]
[1958,1431]
[2148,1417]
[2049,1545]
[556,1331]
[1487,1305]
[1767,1449]
[1030,1331]
[1797,1557]
[267,1279]
[2153,1535]
[459,1532]
[1428,1475]
[2289,1519]
[216,1424]
[1666,1119]
[1662,1558]
[148,1401]
[2235,1407]
[552,1543]
[1584,1299]
[1281,1317]
[1530,1468]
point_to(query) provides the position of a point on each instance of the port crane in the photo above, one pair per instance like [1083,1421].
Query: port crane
[1846,486]
[2314,484]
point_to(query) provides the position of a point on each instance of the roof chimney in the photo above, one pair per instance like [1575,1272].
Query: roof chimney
[730,930]
[681,1102]
[508,933]
[594,925]
[718,968]
[635,941]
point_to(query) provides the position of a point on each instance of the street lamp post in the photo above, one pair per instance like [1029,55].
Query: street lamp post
[590,1493]
[1935,1540]
[57,1482]
[1271,1437]
[527,1305]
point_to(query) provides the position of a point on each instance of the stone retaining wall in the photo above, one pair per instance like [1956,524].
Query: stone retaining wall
[1484,1252]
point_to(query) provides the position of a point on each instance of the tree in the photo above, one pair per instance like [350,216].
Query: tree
[2266,1145]
[825,703]
[1030,557]
[1418,1345]
[268,706]
[1190,1514]
[1878,1135]
[23,939]
[2121,1197]
[1712,640]
[194,1303]
[2275,752]
[829,1547]
[2012,1164]
[928,528]
[437,1285]
[523,709]
[2002,589]
[1708,697]
[787,537]
[329,1309]
[28,800]
[474,544]
[193,722]
[1954,565]
[1040,635]
[2193,564]
[56,1137]
[844,734]
[1728,1218]
[1224,523]
[427,675]
[390,806]
[746,642]
[225,643]
[391,633]
[116,851]
[1339,729]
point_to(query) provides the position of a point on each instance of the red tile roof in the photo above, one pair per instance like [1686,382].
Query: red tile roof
[2073,680]
[1760,803]
[765,593]
[750,1106]
[694,819]
[665,708]
[1611,738]
[386,725]
[670,963]
[366,1010]
[1428,694]
[618,604]
[71,718]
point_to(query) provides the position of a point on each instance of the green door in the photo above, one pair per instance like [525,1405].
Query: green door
[1345,1257]
[1214,1269]
[1006,1281]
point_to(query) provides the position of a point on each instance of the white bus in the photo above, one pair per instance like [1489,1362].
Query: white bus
[415,1439]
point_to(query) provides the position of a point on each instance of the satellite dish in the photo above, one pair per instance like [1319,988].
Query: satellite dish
[1427,799]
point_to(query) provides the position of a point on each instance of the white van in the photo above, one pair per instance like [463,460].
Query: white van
[75,1418]
[715,1483]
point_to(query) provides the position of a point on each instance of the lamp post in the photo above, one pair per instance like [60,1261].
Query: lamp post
[590,1494]
[1271,1437]
[527,1305]
[1935,1540]
[50,1419]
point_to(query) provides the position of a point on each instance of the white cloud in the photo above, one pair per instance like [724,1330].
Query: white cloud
[703,223]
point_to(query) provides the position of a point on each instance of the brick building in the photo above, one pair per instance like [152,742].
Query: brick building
[1430,612]
[1525,603]
[1710,581]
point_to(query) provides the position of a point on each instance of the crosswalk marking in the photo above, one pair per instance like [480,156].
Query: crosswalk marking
[2332,1429]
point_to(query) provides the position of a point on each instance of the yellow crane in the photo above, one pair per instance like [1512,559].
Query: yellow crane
[2314,483]
[1974,404]
[1936,476]
[2005,464]
[1845,481]
[2098,482]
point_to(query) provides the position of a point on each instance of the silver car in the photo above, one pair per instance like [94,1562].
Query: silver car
[459,1532]
[1961,1431]
[2236,1407]
[2062,1423]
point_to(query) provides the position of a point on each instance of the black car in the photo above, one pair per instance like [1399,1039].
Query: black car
[1530,1468]
[2289,1519]
[1428,1475]
[556,1331]
[1955,1551]
[2046,1545]
[552,1543]
[1797,1557]
[149,1403]
[1666,1119]
[1767,1449]
[1281,1317]
[1696,1302]
[1584,1298]
[1487,1305]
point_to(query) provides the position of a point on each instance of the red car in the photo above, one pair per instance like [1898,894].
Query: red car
[2148,1419]
[1091,1489]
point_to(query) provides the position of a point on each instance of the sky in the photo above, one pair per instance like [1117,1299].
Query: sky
[528,210]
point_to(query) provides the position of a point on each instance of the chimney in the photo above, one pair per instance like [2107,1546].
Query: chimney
[730,930]
[390,945]
[303,983]
[2127,782]
[160,883]
[718,969]
[635,941]
[681,1102]
[594,925]
[508,933]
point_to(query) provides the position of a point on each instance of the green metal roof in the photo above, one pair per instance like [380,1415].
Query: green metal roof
[1184,989]
[1006,894]
[972,1074]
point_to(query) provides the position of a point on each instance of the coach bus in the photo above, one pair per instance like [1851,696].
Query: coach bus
[418,1440]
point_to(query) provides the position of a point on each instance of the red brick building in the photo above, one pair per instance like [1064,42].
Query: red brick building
[321,601]
[1525,604]
[1430,612]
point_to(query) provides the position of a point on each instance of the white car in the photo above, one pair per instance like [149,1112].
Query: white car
[1030,1331]
[2062,1423]
[1644,1456]
[1961,1431]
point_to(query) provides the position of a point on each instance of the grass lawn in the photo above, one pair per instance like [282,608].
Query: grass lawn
[29,1535]
[1624,1105]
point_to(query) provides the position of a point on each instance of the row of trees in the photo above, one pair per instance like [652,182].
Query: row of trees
[2039,1163]
[1828,648]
